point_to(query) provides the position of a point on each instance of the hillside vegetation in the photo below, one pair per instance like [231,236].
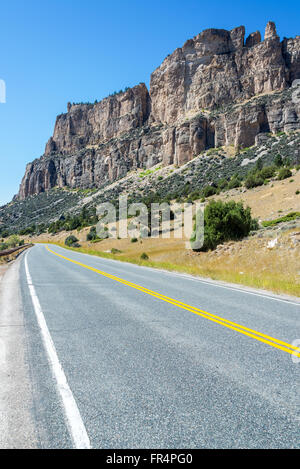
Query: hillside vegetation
[210,173]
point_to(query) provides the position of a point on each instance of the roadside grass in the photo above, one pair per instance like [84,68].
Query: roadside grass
[11,257]
[267,270]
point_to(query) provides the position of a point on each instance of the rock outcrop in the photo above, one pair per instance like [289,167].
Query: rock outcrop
[253,39]
[89,124]
[215,69]
[218,89]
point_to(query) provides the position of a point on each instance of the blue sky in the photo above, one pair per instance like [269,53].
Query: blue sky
[55,51]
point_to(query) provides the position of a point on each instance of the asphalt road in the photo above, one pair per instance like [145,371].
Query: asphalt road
[101,362]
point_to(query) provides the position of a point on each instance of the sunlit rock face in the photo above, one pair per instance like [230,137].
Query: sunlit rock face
[204,94]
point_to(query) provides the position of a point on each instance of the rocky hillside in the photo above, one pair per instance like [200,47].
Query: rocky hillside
[217,90]
[211,167]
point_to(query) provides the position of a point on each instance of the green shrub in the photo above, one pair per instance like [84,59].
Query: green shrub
[97,240]
[71,241]
[115,251]
[133,240]
[144,256]
[284,173]
[253,180]
[195,195]
[27,231]
[74,224]
[267,172]
[289,217]
[234,183]
[222,184]
[13,241]
[254,225]
[259,164]
[92,235]
[278,161]
[208,191]
[224,222]
[5,233]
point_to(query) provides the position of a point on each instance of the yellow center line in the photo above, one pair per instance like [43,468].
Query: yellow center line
[279,344]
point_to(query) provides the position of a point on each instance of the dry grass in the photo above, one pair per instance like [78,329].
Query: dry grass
[11,257]
[269,202]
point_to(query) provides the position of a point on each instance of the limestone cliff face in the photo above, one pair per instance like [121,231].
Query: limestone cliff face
[215,68]
[91,124]
[218,89]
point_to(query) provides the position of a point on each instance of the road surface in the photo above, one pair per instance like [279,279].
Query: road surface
[103,354]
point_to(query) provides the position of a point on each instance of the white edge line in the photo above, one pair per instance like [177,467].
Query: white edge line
[212,283]
[73,418]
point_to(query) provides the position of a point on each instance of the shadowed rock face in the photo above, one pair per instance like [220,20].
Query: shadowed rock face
[253,39]
[202,95]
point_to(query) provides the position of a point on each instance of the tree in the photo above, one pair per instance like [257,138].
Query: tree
[224,222]
[13,241]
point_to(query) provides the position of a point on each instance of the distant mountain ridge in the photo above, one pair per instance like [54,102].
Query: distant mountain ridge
[217,90]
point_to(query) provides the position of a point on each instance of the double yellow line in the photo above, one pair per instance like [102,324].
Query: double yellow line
[279,344]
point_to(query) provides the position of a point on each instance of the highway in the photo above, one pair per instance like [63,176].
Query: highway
[97,353]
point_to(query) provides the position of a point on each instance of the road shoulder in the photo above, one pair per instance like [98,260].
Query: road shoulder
[16,423]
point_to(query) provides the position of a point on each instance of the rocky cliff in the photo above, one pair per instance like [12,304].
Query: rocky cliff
[219,89]
[89,124]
